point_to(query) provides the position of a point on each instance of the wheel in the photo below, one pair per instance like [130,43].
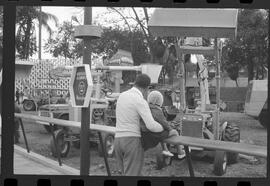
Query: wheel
[220,163]
[162,161]
[232,134]
[63,146]
[108,142]
[29,105]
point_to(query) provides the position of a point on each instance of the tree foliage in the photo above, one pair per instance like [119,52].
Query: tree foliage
[26,19]
[250,49]
[64,44]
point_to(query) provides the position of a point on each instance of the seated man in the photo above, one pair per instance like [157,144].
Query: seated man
[151,139]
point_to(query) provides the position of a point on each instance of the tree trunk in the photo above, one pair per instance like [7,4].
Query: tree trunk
[236,82]
[250,69]
[27,39]
[39,31]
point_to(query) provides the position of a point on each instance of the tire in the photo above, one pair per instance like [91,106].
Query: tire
[231,134]
[108,142]
[162,161]
[63,146]
[29,105]
[220,163]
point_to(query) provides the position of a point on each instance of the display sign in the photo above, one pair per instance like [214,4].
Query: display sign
[81,86]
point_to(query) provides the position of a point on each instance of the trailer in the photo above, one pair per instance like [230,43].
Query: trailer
[256,103]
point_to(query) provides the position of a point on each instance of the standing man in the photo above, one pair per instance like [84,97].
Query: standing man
[130,107]
[17,94]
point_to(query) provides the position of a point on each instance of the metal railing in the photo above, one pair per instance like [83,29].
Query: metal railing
[242,148]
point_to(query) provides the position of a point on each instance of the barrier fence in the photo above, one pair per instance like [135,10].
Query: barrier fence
[216,145]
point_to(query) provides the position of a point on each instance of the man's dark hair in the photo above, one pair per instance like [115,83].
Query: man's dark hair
[142,81]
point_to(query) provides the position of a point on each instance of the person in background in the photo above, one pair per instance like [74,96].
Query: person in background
[17,95]
[61,100]
[130,107]
[151,139]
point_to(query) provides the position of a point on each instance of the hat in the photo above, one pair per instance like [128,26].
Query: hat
[155,98]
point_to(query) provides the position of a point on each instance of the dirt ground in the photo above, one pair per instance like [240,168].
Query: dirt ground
[251,132]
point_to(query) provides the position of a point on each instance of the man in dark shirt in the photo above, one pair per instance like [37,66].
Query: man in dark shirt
[61,100]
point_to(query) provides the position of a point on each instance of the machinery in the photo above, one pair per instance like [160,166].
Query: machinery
[203,121]
[256,100]
[101,112]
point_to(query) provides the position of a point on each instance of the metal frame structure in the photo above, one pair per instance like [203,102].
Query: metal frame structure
[210,23]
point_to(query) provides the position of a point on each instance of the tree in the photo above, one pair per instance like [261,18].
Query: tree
[113,39]
[26,19]
[250,49]
[137,19]
[64,44]
[1,27]
[233,59]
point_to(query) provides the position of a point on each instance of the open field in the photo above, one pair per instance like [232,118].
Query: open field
[251,132]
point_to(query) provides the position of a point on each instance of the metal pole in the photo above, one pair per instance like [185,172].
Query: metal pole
[56,145]
[24,136]
[85,115]
[104,153]
[216,132]
[190,167]
[181,74]
[182,81]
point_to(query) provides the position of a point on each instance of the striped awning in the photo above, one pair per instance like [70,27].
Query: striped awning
[121,58]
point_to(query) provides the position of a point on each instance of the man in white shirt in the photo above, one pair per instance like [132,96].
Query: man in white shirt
[130,107]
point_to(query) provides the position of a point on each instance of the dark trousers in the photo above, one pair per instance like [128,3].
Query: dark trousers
[17,99]
[129,155]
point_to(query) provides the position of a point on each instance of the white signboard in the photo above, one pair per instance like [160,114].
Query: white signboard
[81,86]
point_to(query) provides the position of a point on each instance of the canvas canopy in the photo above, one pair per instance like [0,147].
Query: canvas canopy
[121,58]
[210,23]
[23,69]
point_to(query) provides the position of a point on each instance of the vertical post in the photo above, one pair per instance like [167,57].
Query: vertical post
[182,79]
[217,50]
[39,34]
[190,167]
[118,76]
[182,84]
[7,98]
[85,115]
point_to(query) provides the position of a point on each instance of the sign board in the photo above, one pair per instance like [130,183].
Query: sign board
[81,86]
[60,72]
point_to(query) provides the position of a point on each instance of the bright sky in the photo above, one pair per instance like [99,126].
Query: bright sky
[65,13]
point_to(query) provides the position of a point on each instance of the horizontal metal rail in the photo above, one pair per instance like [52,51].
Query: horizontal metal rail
[65,123]
[242,148]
